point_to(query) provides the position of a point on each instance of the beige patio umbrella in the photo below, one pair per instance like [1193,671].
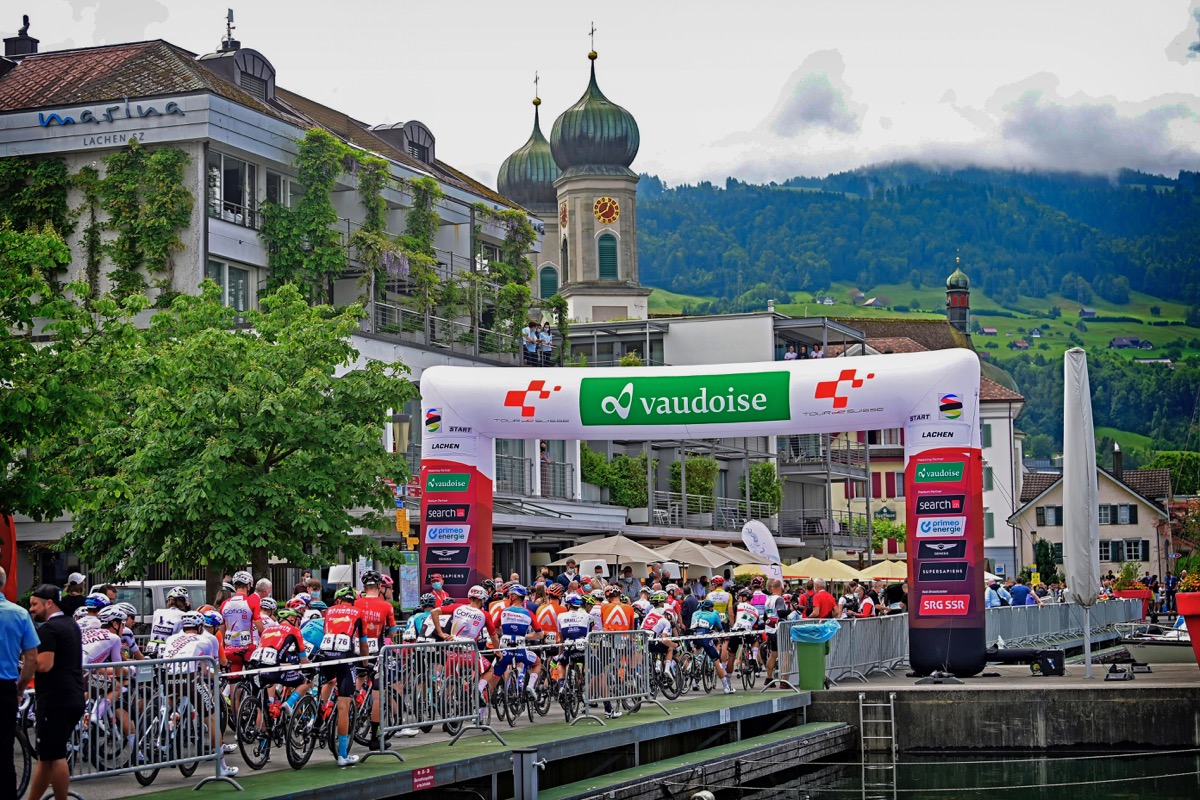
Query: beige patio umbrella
[686,552]
[735,555]
[811,567]
[838,571]
[884,571]
[619,547]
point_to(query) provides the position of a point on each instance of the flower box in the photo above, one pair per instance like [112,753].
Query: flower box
[1188,606]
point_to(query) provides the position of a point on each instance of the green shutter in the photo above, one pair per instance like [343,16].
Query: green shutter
[988,479]
[548,282]
[1058,553]
[985,435]
[607,252]
[989,526]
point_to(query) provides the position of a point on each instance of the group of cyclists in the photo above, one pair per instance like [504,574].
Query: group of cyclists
[291,650]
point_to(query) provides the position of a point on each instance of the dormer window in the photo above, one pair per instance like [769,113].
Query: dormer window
[255,86]
[419,151]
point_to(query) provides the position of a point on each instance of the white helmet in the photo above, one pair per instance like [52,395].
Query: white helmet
[80,612]
[129,608]
[243,578]
[191,619]
[309,616]
[110,614]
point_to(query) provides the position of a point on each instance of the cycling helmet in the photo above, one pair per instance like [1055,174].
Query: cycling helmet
[573,600]
[718,581]
[658,597]
[757,582]
[474,593]
[612,591]
[299,602]
[243,578]
[589,601]
[128,609]
[387,582]
[96,601]
[371,578]
[287,613]
[178,593]
[310,615]
[555,590]
[447,602]
[212,618]
[706,605]
[268,604]
[318,605]
[429,601]
[672,588]
[228,587]
[111,614]
[518,590]
[80,612]
[504,587]
[598,595]
[624,600]
[191,619]
[743,594]
[346,593]
[489,585]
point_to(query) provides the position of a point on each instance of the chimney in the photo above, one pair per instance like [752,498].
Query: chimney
[770,306]
[21,45]
[1118,462]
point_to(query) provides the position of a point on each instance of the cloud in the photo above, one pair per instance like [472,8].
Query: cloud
[126,21]
[1185,48]
[816,96]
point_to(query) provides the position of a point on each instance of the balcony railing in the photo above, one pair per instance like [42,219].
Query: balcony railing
[514,477]
[817,449]
[558,480]
[245,216]
[459,337]
[701,511]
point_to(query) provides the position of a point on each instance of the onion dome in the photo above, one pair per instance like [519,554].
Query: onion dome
[958,279]
[527,176]
[595,136]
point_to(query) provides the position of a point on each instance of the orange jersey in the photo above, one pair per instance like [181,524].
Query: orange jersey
[494,610]
[547,616]
[616,617]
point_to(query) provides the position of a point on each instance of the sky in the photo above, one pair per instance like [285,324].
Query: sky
[759,90]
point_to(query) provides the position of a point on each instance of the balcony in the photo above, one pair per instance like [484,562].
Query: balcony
[402,324]
[845,530]
[704,512]
[815,453]
[515,478]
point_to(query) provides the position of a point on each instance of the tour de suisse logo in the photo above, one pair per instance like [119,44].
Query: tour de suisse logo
[950,406]
[433,420]
[521,398]
[828,390]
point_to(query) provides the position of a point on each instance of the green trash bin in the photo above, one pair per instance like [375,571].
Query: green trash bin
[810,664]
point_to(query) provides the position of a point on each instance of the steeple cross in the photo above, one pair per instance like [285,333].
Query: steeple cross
[592,34]
[535,84]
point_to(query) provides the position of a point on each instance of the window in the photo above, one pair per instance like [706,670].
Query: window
[282,190]
[234,283]
[1049,515]
[419,151]
[1106,515]
[1127,514]
[988,479]
[1058,552]
[885,438]
[548,282]
[255,86]
[989,525]
[232,184]
[899,484]
[564,253]
[1107,551]
[606,249]
[1137,550]
[985,434]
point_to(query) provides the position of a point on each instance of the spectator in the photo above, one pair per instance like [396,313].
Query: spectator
[262,588]
[629,584]
[73,598]
[823,604]
[545,345]
[1172,583]
[691,604]
[791,354]
[817,352]
[60,692]
[701,588]
[529,343]
[18,639]
[866,606]
[598,581]
[568,574]
[1020,592]
[109,591]
[996,596]
[803,352]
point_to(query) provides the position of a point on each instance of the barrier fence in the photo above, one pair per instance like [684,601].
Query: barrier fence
[787,669]
[865,646]
[430,684]
[617,669]
[1055,623]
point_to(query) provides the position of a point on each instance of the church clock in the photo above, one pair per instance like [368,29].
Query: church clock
[606,210]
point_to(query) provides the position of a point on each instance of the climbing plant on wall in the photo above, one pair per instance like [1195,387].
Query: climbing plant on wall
[33,194]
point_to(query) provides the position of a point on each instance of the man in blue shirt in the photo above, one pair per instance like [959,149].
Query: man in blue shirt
[18,638]
[1020,593]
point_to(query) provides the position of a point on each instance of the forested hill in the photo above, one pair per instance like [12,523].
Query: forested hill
[1017,233]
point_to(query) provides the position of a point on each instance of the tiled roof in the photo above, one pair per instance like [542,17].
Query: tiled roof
[933,334]
[883,344]
[990,391]
[1034,483]
[1154,484]
[155,68]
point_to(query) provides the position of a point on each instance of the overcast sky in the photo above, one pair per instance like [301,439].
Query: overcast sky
[757,90]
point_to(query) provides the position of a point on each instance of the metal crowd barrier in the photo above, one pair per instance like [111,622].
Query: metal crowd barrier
[428,684]
[143,716]
[787,669]
[1055,623]
[617,670]
[866,646]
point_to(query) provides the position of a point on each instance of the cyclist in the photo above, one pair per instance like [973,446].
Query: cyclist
[281,645]
[721,599]
[103,643]
[267,608]
[547,613]
[775,610]
[379,621]
[706,621]
[192,643]
[312,625]
[130,651]
[420,626]
[673,598]
[517,627]
[165,622]
[758,599]
[574,625]
[243,619]
[343,639]
[386,587]
[658,623]
[745,621]
[498,602]
[615,615]
[596,596]
[93,603]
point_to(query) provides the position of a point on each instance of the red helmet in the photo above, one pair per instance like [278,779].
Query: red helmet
[718,581]
[757,582]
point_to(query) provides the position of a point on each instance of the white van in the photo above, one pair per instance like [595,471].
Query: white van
[151,595]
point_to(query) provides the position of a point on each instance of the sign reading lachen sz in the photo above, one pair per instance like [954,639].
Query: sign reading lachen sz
[685,399]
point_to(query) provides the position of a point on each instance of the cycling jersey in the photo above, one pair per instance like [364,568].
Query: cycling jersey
[101,645]
[746,617]
[774,611]
[313,632]
[343,629]
[189,645]
[657,623]
[493,612]
[547,617]
[516,623]
[420,628]
[721,601]
[280,643]
[574,625]
[88,622]
[642,606]
[378,618]
[597,617]
[163,625]
[617,617]
[468,622]
[704,622]
[240,612]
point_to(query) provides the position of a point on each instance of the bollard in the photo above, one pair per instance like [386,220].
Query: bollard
[525,773]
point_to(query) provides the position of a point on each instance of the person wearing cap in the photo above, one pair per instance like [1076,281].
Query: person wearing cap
[18,639]
[60,691]
[437,586]
[73,597]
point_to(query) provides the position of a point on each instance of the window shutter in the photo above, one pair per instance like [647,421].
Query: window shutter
[989,526]
[988,479]
[548,282]
[607,252]
[891,484]
[862,437]
[1132,514]
[876,485]
[846,489]
[985,435]
[891,546]
[899,485]
[1058,553]
[1040,512]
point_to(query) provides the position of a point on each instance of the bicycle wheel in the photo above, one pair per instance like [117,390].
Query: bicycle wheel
[708,673]
[669,681]
[194,734]
[25,765]
[363,727]
[243,693]
[743,668]
[333,729]
[151,744]
[302,728]
[514,697]
[544,695]
[254,739]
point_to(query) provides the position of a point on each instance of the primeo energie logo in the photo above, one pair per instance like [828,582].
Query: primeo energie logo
[685,399]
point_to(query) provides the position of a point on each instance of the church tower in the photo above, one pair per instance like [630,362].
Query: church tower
[958,299]
[593,143]
[527,177]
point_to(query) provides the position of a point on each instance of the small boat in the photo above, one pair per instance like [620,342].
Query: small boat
[1155,644]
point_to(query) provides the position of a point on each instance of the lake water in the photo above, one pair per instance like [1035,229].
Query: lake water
[1081,774]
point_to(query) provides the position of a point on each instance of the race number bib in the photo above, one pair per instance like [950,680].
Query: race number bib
[512,641]
[701,624]
[336,643]
[268,657]
[372,646]
[237,640]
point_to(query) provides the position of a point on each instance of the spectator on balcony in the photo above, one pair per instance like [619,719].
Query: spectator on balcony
[791,354]
[804,354]
[817,352]
[545,345]
[529,343]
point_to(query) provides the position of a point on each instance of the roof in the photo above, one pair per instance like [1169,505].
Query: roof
[1152,485]
[932,334]
[1034,483]
[884,344]
[990,391]
[155,68]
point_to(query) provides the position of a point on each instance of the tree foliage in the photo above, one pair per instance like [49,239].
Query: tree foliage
[219,444]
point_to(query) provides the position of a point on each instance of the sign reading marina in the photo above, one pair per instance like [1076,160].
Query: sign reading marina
[685,400]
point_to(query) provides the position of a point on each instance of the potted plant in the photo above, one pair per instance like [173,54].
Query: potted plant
[1187,603]
[766,487]
[1127,586]
[594,475]
[627,486]
[701,482]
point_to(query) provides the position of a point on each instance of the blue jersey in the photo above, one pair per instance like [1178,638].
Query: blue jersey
[419,626]
[313,632]
[706,622]
[515,624]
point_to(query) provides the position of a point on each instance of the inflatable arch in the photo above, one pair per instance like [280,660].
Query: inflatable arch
[933,396]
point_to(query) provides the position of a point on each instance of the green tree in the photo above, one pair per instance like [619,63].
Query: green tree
[1184,467]
[220,445]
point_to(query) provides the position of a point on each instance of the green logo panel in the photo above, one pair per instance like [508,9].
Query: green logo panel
[685,399]
[447,482]
[949,472]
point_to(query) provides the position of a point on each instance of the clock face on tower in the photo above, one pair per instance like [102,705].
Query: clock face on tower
[606,210]
[562,215]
